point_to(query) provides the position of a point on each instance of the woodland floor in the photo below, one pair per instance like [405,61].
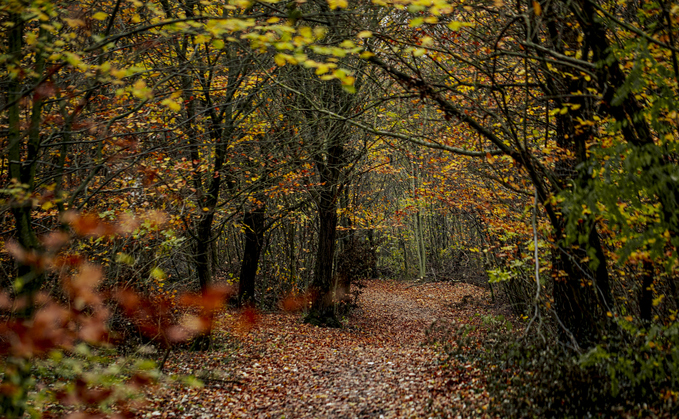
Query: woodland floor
[374,367]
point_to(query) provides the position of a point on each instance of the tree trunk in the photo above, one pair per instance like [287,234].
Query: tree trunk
[203,341]
[583,296]
[254,241]
[22,169]
[202,256]
[373,251]
[322,311]
[646,297]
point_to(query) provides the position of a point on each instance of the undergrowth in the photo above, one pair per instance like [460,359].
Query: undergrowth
[633,372]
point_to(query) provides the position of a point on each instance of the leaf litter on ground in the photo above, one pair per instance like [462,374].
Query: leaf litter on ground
[375,366]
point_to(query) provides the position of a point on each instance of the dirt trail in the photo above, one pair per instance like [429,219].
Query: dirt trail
[374,367]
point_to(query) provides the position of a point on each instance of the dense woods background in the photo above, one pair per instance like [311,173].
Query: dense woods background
[163,159]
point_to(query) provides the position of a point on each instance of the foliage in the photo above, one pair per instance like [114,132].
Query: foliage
[633,372]
[152,149]
[64,342]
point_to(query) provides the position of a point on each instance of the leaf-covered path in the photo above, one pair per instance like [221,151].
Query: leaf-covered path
[376,366]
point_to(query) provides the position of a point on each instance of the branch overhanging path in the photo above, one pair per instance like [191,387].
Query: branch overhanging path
[390,134]
[376,366]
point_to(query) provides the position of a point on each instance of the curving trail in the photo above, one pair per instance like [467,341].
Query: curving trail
[375,367]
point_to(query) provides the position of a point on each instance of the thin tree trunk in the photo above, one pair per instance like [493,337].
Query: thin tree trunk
[254,241]
[646,298]
[202,255]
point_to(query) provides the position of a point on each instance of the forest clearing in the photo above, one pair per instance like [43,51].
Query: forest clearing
[339,208]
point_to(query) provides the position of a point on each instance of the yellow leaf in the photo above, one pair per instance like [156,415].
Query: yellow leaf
[320,32]
[158,273]
[218,44]
[279,59]
[124,258]
[306,32]
[171,104]
[427,41]
[140,90]
[418,52]
[537,8]
[455,26]
[73,23]
[348,81]
[364,34]
[657,301]
[100,16]
[201,39]
[338,52]
[334,4]
[118,73]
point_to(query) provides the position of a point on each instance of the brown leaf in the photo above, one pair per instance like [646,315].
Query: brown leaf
[89,224]
[210,301]
[5,301]
[82,287]
[93,328]
[45,90]
[294,303]
[55,240]
[8,389]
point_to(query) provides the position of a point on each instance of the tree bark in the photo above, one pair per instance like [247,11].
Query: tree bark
[646,297]
[322,311]
[254,241]
[202,254]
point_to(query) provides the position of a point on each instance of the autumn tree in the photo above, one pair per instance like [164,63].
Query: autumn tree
[82,98]
[546,87]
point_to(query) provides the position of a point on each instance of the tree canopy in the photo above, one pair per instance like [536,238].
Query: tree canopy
[162,159]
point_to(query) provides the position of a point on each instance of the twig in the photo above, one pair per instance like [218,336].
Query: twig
[165,357]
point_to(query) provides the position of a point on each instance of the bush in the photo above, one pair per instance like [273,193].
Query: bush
[60,348]
[633,373]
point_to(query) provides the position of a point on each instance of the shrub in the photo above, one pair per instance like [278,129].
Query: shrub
[632,373]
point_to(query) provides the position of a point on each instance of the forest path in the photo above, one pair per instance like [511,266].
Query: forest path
[374,367]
